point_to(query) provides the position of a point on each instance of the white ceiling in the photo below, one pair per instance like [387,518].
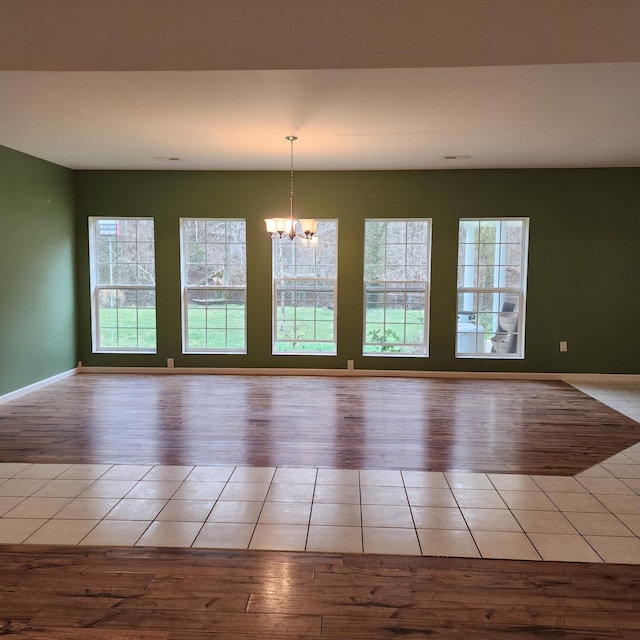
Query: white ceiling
[514,85]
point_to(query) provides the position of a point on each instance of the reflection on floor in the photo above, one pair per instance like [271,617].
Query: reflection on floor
[592,517]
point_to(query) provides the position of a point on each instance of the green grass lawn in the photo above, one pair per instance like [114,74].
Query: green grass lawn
[223,327]
[127,328]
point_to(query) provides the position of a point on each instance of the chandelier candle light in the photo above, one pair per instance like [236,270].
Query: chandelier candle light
[286,227]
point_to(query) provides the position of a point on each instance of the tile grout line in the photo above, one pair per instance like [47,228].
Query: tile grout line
[415,528]
[313,494]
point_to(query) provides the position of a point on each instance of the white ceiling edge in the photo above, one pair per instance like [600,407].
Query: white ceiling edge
[533,116]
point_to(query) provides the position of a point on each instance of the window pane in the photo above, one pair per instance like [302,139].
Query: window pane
[396,278]
[491,288]
[417,232]
[488,232]
[196,274]
[468,231]
[214,271]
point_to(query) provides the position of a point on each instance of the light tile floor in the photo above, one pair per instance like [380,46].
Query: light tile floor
[593,517]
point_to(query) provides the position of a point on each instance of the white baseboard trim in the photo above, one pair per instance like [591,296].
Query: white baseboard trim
[23,391]
[486,375]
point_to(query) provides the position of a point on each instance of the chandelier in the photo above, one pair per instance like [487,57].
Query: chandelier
[290,227]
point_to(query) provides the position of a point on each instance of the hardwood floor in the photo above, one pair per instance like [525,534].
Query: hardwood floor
[105,594]
[384,423]
[117,593]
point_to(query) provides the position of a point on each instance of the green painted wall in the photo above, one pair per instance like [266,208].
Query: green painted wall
[584,258]
[37,281]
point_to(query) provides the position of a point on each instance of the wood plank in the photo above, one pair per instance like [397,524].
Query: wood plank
[102,581]
[577,617]
[88,634]
[395,609]
[375,629]
[147,619]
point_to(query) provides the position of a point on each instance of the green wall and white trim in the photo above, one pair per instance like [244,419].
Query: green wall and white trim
[37,271]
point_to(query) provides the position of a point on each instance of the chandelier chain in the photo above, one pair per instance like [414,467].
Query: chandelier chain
[291,140]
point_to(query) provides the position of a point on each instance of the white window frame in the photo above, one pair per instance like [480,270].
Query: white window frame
[204,289]
[505,332]
[96,287]
[281,285]
[393,286]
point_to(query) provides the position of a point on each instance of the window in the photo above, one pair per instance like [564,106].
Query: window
[123,284]
[396,287]
[304,292]
[214,283]
[492,276]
